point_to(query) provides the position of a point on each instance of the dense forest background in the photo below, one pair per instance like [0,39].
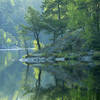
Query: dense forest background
[11,15]
[55,17]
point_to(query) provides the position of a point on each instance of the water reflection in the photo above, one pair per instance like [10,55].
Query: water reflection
[10,74]
[69,80]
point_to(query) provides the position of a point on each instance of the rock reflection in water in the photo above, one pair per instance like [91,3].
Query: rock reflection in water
[60,81]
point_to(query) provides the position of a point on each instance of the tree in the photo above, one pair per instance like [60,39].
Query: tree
[85,15]
[23,37]
[95,25]
[55,17]
[6,39]
[34,21]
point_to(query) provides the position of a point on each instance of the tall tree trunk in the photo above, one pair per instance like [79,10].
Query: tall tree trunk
[38,43]
[62,88]
[27,71]
[59,18]
[36,35]
[26,49]
[54,37]
[56,81]
[59,14]
[39,79]
[25,45]
[96,30]
[97,10]
[97,94]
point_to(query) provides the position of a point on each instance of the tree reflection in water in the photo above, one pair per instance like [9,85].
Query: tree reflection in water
[65,83]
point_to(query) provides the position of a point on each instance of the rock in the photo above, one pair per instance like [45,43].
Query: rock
[33,60]
[91,52]
[59,59]
[86,58]
[36,60]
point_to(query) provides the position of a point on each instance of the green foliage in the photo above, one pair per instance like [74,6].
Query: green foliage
[13,2]
[73,14]
[35,24]
[55,17]
[6,39]
[96,55]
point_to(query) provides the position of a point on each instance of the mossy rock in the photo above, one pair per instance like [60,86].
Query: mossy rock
[96,55]
[61,54]
[97,62]
[83,53]
[67,55]
[44,54]
[74,56]
[26,56]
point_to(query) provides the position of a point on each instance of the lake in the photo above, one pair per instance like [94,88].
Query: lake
[69,80]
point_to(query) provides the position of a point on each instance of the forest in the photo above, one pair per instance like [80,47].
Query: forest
[56,18]
[61,44]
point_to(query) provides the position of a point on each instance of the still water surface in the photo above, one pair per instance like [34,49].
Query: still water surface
[70,80]
[11,71]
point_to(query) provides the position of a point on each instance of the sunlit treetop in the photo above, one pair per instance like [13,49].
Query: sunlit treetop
[12,2]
